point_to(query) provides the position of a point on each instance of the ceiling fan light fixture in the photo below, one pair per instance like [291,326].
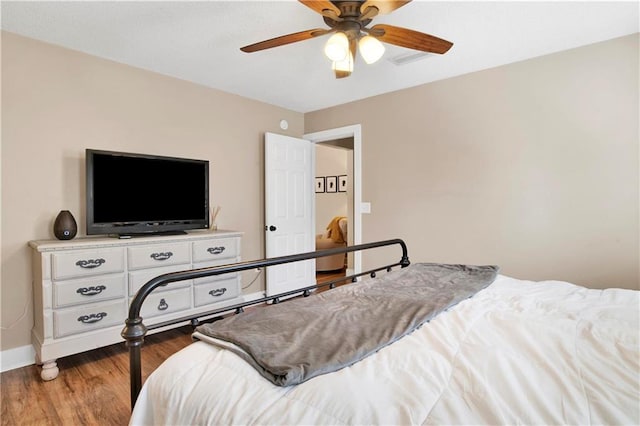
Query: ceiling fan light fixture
[370,49]
[348,25]
[337,47]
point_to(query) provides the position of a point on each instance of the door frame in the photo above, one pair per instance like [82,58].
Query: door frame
[353,131]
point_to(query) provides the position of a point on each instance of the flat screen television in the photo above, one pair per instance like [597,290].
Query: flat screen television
[131,194]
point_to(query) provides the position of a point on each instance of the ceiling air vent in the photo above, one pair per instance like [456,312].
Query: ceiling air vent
[406,58]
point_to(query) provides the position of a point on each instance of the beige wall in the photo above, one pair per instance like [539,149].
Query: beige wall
[532,166]
[56,103]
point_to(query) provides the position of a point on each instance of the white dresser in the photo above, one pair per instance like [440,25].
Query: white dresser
[82,287]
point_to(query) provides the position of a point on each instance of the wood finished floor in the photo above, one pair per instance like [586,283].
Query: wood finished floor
[93,386]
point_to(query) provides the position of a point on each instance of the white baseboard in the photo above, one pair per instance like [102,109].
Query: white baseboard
[17,358]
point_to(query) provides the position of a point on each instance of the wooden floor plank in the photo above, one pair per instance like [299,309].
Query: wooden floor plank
[91,389]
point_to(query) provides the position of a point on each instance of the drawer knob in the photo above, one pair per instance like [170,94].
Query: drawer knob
[91,291]
[90,263]
[163,306]
[218,292]
[215,250]
[90,319]
[161,256]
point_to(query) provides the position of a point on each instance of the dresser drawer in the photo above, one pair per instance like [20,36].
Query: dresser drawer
[216,248]
[88,290]
[88,317]
[166,302]
[158,255]
[82,263]
[139,278]
[214,277]
[213,292]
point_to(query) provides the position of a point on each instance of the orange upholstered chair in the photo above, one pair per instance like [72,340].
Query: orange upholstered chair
[334,236]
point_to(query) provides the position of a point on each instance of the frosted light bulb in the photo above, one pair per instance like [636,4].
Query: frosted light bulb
[337,47]
[370,49]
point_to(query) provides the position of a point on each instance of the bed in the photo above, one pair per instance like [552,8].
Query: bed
[511,352]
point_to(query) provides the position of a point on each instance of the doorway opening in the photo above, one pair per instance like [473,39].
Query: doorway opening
[333,204]
[347,141]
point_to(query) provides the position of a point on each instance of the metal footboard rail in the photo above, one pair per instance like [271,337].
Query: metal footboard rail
[135,330]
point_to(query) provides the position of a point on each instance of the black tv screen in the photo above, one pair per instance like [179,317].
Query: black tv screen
[130,194]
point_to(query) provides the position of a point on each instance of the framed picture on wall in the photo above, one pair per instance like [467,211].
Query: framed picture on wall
[332,183]
[320,184]
[342,183]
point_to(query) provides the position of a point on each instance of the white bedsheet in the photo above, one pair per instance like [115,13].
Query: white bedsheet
[518,352]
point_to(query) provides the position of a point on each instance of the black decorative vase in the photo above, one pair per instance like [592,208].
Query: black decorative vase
[65,226]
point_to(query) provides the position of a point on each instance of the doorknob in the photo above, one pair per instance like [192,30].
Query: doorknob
[272,228]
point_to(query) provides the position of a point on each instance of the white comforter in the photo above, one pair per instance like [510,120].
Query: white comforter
[518,352]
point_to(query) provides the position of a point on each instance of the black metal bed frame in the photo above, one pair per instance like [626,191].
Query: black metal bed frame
[135,331]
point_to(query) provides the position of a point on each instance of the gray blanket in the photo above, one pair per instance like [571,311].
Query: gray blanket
[302,338]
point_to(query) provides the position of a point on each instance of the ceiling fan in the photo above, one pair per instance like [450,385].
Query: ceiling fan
[348,21]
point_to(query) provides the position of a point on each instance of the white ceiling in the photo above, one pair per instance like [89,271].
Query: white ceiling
[200,41]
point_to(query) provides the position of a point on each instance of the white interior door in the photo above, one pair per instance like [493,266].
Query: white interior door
[289,216]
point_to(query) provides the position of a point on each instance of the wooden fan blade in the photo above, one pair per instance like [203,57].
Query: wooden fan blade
[285,39]
[341,73]
[319,6]
[353,47]
[383,6]
[411,39]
